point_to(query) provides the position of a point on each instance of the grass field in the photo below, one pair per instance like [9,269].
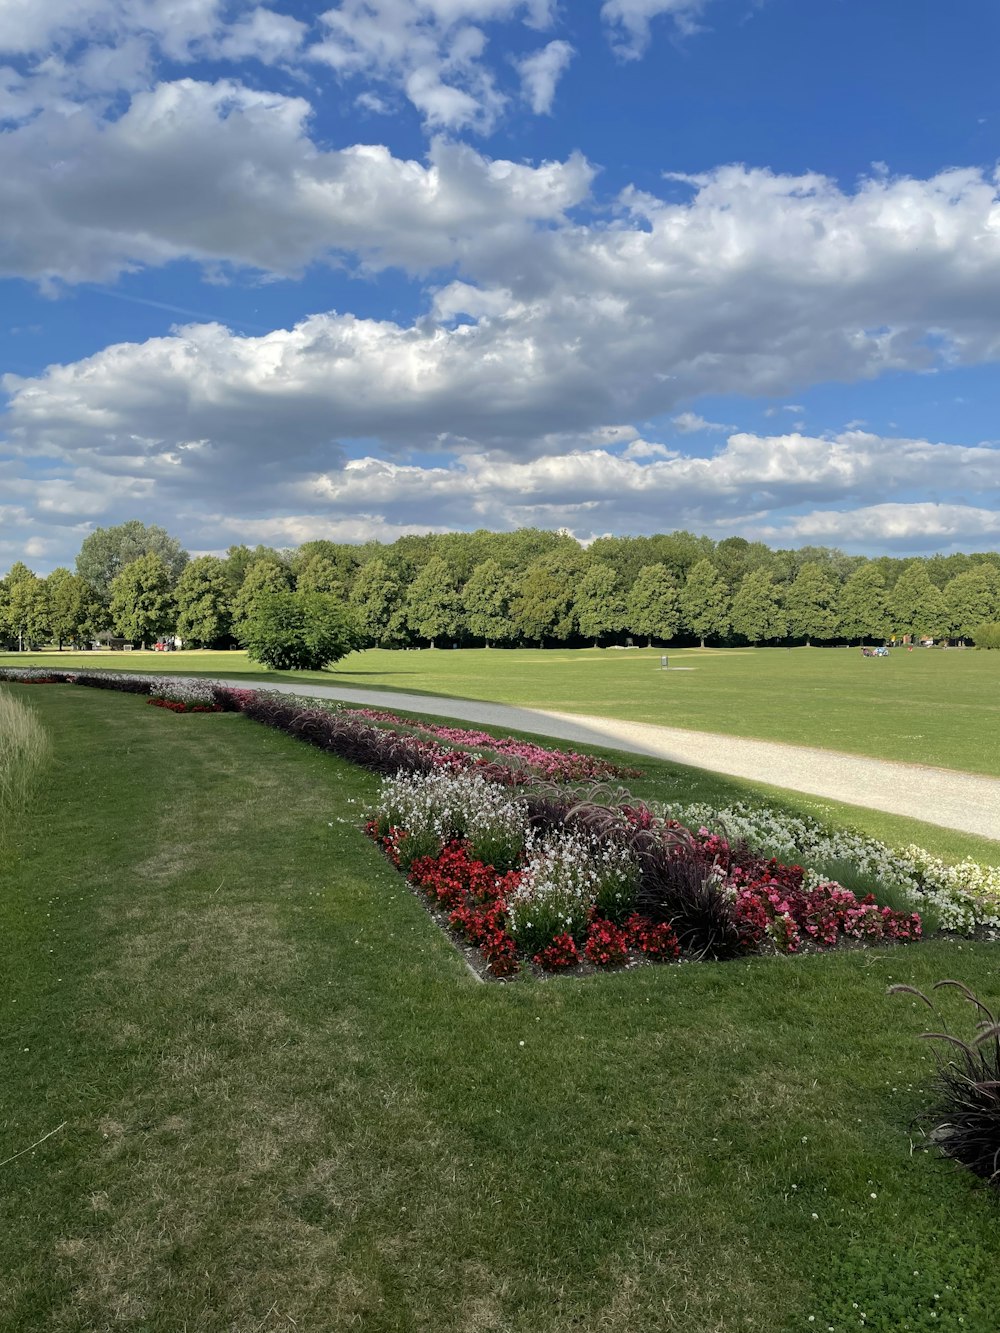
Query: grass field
[285,1103]
[927,706]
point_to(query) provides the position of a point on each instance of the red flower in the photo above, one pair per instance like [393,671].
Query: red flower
[560,954]
[606,944]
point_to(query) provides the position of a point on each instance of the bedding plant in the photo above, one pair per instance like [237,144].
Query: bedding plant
[604,880]
[579,884]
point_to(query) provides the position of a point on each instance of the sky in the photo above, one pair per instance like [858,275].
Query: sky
[271,273]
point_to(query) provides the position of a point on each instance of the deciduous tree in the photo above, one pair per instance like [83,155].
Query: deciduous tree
[704,602]
[972,599]
[598,603]
[757,613]
[652,607]
[487,597]
[299,631]
[142,602]
[864,607]
[432,603]
[262,578]
[106,552]
[917,606]
[76,613]
[377,602]
[204,602]
[811,605]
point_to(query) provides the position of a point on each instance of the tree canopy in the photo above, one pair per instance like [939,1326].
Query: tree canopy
[106,552]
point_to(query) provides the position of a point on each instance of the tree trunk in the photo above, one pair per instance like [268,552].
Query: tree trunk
[702,643]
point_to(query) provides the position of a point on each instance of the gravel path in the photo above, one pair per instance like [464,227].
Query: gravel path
[941,796]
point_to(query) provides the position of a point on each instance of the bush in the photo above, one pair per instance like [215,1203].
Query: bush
[966,1116]
[683,891]
[298,631]
[987,636]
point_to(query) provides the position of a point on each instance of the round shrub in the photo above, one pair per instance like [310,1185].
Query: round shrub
[298,631]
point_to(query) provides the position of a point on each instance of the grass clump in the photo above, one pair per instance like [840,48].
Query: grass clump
[965,1116]
[23,747]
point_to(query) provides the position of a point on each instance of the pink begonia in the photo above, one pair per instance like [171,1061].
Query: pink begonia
[565,764]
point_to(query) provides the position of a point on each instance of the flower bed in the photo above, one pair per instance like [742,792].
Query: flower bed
[555,765]
[184,696]
[791,913]
[577,883]
[966,896]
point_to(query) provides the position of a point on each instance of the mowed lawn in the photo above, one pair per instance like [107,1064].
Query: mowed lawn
[286,1104]
[939,707]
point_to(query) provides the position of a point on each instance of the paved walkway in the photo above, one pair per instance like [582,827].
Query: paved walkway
[935,795]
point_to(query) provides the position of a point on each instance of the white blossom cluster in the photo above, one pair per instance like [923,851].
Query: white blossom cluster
[966,895]
[16,674]
[451,805]
[191,692]
[566,874]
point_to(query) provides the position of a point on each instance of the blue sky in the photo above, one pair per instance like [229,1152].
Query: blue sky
[271,273]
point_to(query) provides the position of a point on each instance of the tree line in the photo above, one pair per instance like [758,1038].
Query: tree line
[528,587]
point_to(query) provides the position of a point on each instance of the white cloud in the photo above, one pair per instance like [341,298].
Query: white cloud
[262,483]
[918,526]
[219,172]
[541,71]
[690,423]
[431,50]
[630,20]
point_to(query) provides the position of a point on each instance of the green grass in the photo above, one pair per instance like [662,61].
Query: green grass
[288,1104]
[925,706]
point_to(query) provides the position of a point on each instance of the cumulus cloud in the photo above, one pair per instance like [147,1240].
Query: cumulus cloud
[756,284]
[854,489]
[81,50]
[691,423]
[220,172]
[918,526]
[630,20]
[541,71]
[434,52]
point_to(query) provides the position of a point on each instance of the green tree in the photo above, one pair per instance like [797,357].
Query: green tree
[864,607]
[76,613]
[263,577]
[299,631]
[544,603]
[106,552]
[239,559]
[972,599]
[598,603]
[432,604]
[652,607]
[142,601]
[27,606]
[204,602]
[487,597]
[704,602]
[811,605]
[917,606]
[376,600]
[320,574]
[756,612]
